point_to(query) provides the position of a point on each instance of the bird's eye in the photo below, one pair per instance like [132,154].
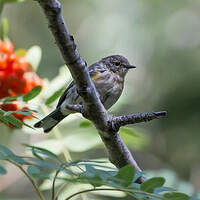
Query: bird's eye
[117,63]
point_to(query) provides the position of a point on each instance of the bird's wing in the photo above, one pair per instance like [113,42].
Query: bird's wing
[93,69]
[62,98]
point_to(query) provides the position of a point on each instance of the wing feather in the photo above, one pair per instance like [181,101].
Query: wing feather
[92,70]
[62,98]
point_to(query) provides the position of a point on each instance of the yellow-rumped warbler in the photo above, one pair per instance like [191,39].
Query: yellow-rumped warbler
[108,76]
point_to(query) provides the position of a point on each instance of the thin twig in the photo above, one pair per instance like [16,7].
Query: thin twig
[136,118]
[30,179]
[60,190]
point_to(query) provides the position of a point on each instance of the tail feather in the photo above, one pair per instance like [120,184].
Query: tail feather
[50,121]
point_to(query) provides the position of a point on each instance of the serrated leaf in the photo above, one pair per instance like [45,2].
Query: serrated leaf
[126,174]
[176,196]
[85,124]
[33,56]
[32,94]
[3,171]
[33,170]
[151,184]
[54,96]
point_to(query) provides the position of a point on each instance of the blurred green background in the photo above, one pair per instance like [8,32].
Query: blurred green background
[162,38]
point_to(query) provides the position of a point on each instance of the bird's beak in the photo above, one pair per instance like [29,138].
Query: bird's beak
[130,66]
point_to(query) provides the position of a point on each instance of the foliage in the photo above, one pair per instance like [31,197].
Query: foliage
[45,165]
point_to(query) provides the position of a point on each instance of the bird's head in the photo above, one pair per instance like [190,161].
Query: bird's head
[117,64]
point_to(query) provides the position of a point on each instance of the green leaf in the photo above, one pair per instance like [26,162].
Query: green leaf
[176,196]
[20,52]
[151,184]
[8,99]
[33,170]
[3,118]
[95,181]
[2,170]
[20,112]
[50,165]
[85,124]
[37,151]
[54,96]
[10,119]
[7,154]
[4,28]
[126,174]
[17,159]
[92,176]
[32,94]
[33,56]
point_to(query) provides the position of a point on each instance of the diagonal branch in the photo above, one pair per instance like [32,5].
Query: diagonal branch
[93,109]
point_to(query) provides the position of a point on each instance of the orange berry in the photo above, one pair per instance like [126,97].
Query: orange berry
[7,47]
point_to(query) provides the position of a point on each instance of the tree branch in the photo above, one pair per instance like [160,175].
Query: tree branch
[93,109]
[136,118]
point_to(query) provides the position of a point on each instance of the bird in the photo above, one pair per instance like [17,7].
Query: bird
[108,76]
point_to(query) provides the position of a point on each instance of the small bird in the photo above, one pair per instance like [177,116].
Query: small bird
[108,76]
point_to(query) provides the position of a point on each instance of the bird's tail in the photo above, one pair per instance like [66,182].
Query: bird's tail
[50,121]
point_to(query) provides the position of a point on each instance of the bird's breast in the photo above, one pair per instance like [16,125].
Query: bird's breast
[109,87]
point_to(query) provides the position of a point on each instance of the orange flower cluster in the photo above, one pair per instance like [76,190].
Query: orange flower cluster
[16,77]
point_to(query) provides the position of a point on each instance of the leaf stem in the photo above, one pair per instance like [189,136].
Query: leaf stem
[115,189]
[60,190]
[41,196]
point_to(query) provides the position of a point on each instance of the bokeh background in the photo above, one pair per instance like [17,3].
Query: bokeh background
[162,38]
